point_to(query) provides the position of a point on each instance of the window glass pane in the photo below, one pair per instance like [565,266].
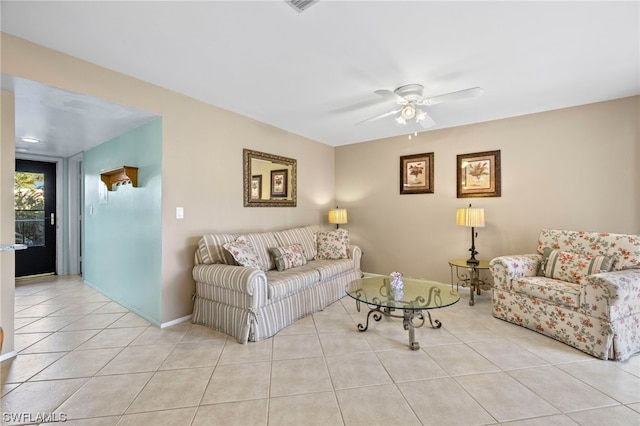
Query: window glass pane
[28,193]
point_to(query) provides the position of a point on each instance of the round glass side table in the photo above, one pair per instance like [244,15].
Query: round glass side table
[468,275]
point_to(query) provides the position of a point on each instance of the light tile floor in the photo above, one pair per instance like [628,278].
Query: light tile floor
[90,361]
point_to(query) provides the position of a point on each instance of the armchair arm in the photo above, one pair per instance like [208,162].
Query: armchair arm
[225,280]
[611,295]
[506,268]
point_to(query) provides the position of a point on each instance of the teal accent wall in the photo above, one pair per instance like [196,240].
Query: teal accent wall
[122,249]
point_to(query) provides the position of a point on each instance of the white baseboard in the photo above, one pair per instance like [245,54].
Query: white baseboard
[8,355]
[175,321]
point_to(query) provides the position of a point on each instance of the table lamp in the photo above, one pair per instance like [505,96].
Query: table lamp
[338,216]
[471,217]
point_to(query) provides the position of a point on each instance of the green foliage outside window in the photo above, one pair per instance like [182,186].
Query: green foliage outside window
[28,192]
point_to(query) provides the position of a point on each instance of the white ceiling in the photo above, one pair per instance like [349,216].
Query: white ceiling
[314,73]
[64,122]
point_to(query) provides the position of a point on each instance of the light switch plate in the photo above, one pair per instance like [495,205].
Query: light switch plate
[179,212]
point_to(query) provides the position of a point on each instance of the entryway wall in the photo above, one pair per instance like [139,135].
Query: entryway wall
[122,228]
[7,227]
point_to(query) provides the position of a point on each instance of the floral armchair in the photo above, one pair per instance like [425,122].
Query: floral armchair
[580,288]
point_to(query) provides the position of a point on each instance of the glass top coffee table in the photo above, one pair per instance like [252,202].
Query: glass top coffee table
[418,295]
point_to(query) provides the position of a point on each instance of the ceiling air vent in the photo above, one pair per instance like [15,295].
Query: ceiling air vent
[301,5]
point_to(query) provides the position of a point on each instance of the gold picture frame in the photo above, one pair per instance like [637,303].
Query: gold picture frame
[479,174]
[279,180]
[416,174]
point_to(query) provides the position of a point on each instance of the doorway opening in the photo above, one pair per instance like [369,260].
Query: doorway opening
[35,217]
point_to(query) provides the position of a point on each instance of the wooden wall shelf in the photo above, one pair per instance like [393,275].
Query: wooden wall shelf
[120,176]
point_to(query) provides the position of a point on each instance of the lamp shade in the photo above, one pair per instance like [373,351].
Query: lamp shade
[470,216]
[338,216]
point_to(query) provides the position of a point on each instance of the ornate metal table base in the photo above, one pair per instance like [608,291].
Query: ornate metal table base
[408,317]
[417,298]
[469,277]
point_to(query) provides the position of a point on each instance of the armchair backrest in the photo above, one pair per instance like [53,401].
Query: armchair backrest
[624,248]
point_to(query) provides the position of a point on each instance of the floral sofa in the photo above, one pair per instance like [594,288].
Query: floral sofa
[580,288]
[253,285]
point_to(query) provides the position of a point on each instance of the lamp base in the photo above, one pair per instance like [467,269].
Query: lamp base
[472,260]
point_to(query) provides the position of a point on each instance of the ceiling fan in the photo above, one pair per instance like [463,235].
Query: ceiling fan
[409,98]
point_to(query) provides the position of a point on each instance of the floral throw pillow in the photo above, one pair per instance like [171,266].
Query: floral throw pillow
[571,267]
[333,244]
[288,257]
[243,252]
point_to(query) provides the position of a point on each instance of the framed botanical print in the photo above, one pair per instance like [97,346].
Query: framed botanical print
[479,174]
[416,174]
[279,183]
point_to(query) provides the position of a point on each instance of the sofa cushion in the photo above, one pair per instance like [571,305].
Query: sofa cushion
[572,267]
[331,268]
[305,236]
[550,290]
[262,242]
[243,252]
[288,257]
[623,248]
[333,244]
[290,281]
[211,249]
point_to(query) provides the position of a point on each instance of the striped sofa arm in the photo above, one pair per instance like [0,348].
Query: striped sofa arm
[355,254]
[232,285]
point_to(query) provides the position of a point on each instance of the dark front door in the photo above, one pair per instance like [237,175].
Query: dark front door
[35,204]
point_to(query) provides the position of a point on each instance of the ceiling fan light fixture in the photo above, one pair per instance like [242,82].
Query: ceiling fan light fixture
[409,97]
[408,112]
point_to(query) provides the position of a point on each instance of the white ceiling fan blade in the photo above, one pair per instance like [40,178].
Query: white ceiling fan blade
[453,96]
[377,117]
[427,122]
[391,96]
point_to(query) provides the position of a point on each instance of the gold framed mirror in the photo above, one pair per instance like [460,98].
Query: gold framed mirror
[269,180]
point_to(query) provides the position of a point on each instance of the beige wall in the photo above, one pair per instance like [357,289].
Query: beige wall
[575,168]
[7,258]
[202,161]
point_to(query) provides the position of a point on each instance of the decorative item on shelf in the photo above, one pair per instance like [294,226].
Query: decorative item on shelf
[120,176]
[337,216]
[397,286]
[471,217]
